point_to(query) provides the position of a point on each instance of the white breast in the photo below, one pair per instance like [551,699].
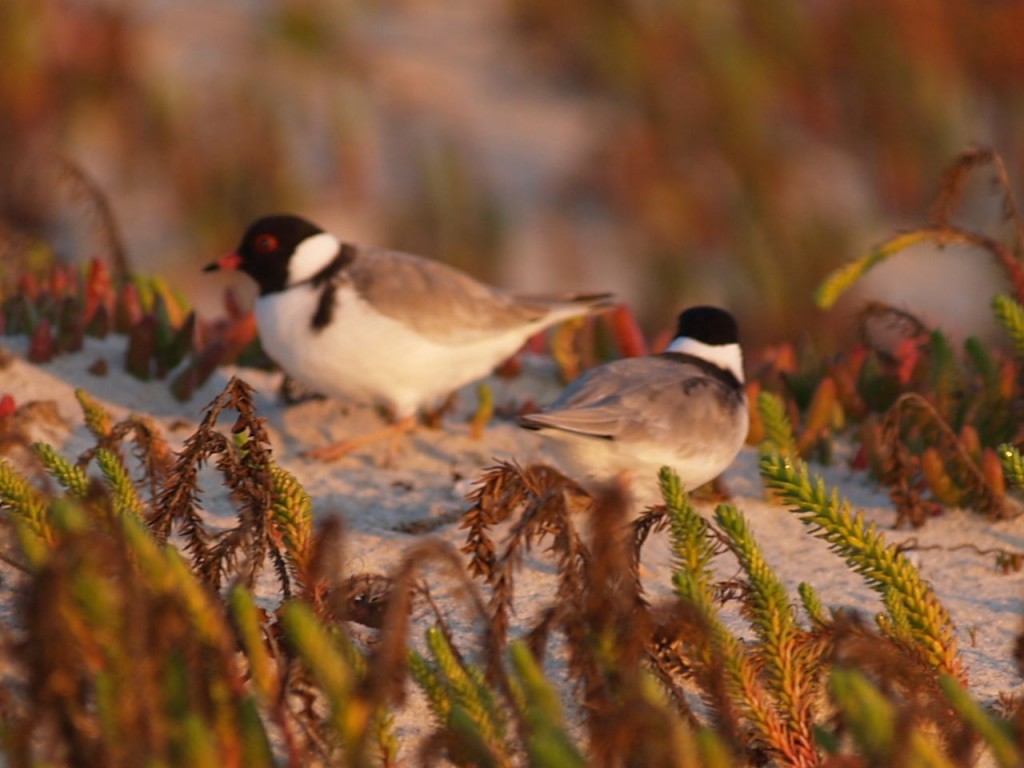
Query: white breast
[367,356]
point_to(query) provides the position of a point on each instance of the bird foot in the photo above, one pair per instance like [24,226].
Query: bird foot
[393,433]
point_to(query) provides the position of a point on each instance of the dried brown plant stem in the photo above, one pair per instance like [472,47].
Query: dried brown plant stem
[85,185]
[1007,559]
[905,496]
[953,235]
[388,661]
[543,495]
[151,449]
[245,467]
[954,181]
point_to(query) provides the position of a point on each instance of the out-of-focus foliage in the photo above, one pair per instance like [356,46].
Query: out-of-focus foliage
[192,133]
[737,151]
[930,418]
[768,136]
[127,645]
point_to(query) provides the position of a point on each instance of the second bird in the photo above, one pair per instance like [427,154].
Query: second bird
[685,408]
[381,326]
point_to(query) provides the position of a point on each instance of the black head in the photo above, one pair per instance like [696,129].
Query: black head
[266,250]
[710,325]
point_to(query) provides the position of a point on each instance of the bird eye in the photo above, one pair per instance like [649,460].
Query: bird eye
[265,244]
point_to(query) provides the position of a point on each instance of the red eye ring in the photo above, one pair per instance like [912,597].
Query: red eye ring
[265,244]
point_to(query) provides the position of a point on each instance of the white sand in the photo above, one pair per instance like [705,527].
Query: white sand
[437,468]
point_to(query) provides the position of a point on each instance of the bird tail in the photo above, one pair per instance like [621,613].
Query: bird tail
[573,304]
[596,302]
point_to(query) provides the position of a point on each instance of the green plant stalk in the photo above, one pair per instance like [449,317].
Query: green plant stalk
[714,753]
[777,428]
[35,550]
[261,667]
[484,410]
[468,691]
[472,745]
[812,604]
[292,515]
[350,718]
[1010,315]
[125,497]
[682,739]
[429,680]
[773,620]
[896,622]
[95,605]
[944,373]
[692,548]
[909,599]
[986,366]
[1013,465]
[70,476]
[198,745]
[547,742]
[741,677]
[97,418]
[872,719]
[997,735]
[841,279]
[109,700]
[169,574]
[387,740]
[25,502]
[256,749]
[461,701]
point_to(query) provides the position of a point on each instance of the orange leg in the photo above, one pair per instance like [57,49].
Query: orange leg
[392,432]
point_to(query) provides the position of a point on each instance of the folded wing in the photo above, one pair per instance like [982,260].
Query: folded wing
[451,307]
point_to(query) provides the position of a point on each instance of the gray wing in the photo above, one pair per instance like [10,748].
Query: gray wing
[449,306]
[641,398]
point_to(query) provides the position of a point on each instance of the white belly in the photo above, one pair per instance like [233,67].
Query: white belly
[595,462]
[366,356]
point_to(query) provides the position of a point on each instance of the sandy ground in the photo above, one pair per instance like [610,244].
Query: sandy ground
[426,490]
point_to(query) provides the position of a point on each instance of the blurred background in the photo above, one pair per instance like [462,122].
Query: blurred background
[674,151]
